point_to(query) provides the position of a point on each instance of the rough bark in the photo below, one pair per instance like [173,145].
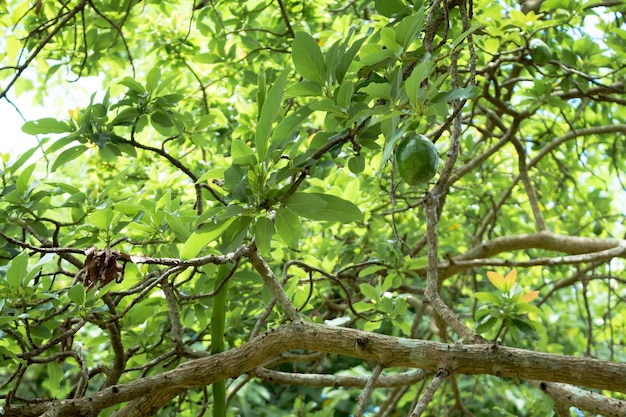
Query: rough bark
[147,395]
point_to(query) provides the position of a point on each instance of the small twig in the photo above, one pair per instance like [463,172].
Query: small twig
[172,306]
[262,318]
[174,161]
[19,70]
[530,190]
[429,393]
[81,387]
[283,12]
[367,391]
[40,249]
[118,29]
[216,289]
[402,379]
[271,282]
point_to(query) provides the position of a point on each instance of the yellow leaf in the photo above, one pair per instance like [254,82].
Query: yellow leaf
[20,11]
[496,279]
[12,48]
[527,298]
[455,226]
[74,113]
[509,280]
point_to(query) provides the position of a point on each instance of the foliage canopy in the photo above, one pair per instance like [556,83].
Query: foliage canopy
[221,229]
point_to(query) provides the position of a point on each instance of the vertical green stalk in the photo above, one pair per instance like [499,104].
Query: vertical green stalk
[218,322]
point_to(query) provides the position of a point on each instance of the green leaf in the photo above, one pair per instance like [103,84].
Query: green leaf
[373,56]
[291,286]
[261,92]
[409,28]
[522,325]
[126,117]
[372,326]
[152,80]
[305,204]
[307,58]
[242,153]
[68,155]
[162,85]
[45,126]
[60,144]
[338,210]
[390,144]
[268,114]
[378,90]
[286,129]
[388,8]
[234,234]
[356,164]
[180,228]
[54,374]
[466,93]
[418,75]
[114,182]
[288,227]
[161,119]
[207,58]
[459,39]
[324,207]
[263,232]
[23,180]
[347,58]
[369,291]
[77,294]
[304,89]
[325,104]
[486,324]
[344,95]
[133,85]
[102,218]
[32,273]
[487,297]
[527,308]
[202,237]
[19,162]
[18,268]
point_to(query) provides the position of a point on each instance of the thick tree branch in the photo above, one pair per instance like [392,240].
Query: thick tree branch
[387,350]
[581,249]
[584,400]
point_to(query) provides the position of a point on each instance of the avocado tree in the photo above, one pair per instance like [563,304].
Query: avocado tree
[288,208]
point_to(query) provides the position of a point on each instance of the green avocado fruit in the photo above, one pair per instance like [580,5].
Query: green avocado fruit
[417,159]
[540,52]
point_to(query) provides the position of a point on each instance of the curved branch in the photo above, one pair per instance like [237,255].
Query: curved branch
[180,166]
[150,393]
[588,250]
[271,282]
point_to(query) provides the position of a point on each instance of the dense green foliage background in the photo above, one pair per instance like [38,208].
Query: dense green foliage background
[222,128]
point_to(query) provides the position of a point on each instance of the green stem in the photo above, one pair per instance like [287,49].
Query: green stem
[218,321]
[495,339]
